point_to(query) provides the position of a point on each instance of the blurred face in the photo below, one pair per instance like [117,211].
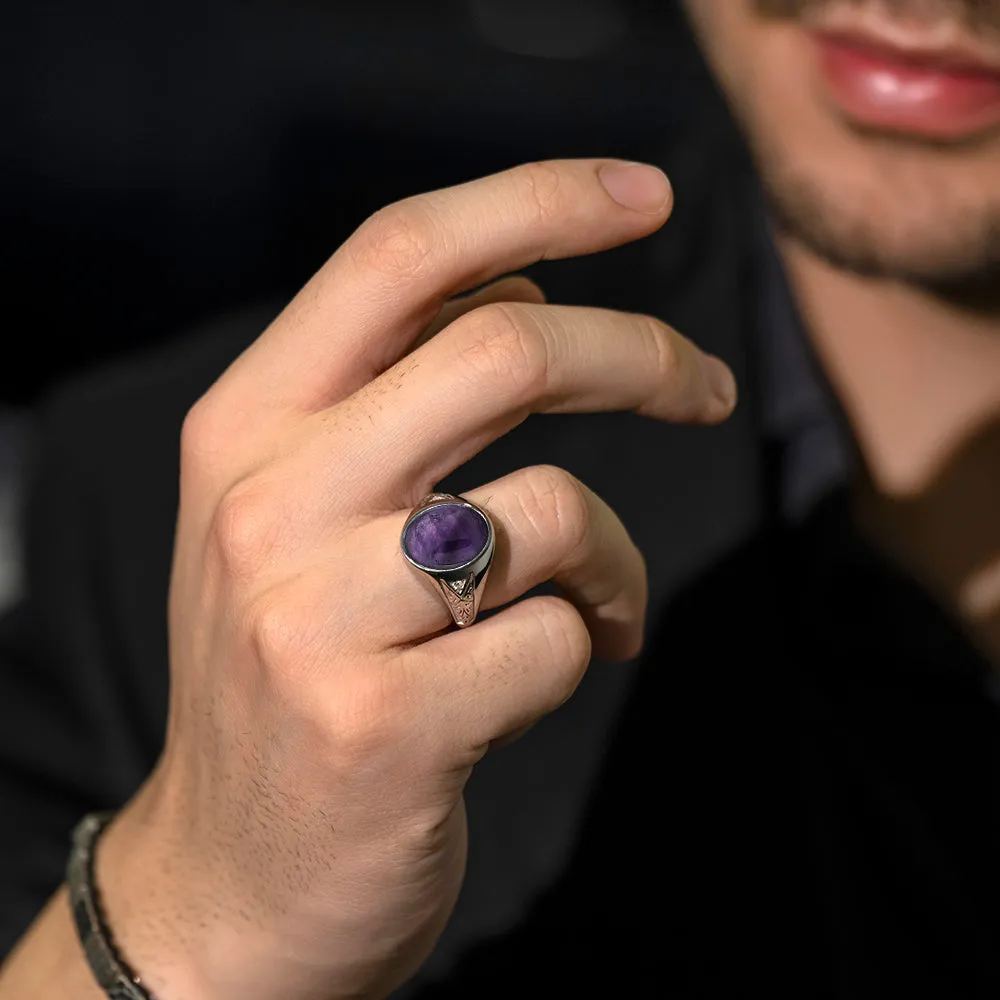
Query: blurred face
[875,125]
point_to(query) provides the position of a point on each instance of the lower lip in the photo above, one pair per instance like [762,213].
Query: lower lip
[875,89]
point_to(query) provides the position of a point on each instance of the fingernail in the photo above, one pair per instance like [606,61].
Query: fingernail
[719,379]
[637,186]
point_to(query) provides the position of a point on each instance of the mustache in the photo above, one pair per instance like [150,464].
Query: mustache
[975,15]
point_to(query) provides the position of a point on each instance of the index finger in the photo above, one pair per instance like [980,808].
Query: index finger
[362,309]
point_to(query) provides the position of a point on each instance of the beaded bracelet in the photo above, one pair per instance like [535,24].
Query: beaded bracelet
[112,972]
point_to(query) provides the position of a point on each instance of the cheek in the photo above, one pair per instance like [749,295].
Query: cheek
[768,72]
[764,65]
[725,31]
[777,93]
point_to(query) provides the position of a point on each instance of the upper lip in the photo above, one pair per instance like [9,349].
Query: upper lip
[943,47]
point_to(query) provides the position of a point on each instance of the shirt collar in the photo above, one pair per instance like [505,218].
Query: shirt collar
[798,407]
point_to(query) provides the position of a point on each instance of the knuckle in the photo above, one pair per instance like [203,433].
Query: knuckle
[555,505]
[361,709]
[502,343]
[199,434]
[567,648]
[662,347]
[371,717]
[397,242]
[244,529]
[542,183]
[279,635]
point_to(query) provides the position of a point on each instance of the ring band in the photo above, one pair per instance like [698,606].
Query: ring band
[451,541]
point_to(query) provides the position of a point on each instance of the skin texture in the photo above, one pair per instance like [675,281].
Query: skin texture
[303,836]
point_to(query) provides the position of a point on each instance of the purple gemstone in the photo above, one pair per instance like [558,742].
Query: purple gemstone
[445,536]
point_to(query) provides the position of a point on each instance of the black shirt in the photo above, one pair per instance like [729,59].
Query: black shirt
[810,812]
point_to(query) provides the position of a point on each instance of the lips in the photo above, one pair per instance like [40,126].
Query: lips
[940,95]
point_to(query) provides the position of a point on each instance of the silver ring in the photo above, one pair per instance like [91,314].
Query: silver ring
[451,541]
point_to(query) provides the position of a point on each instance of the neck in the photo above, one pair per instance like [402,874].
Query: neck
[919,380]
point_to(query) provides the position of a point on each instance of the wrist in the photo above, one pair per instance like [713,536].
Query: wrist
[181,931]
[144,911]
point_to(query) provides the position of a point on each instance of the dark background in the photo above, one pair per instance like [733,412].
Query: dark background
[164,163]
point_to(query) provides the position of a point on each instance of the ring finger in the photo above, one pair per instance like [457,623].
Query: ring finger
[549,526]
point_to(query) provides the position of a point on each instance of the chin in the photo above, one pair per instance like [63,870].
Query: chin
[884,208]
[874,201]
[889,185]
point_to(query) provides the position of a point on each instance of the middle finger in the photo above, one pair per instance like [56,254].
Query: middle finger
[485,373]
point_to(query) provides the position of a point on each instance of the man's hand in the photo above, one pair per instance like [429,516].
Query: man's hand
[303,835]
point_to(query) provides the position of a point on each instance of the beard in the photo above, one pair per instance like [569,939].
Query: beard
[912,214]
[946,245]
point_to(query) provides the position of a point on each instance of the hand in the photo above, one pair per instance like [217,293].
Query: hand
[303,835]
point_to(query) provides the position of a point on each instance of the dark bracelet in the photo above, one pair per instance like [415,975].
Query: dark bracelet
[112,972]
